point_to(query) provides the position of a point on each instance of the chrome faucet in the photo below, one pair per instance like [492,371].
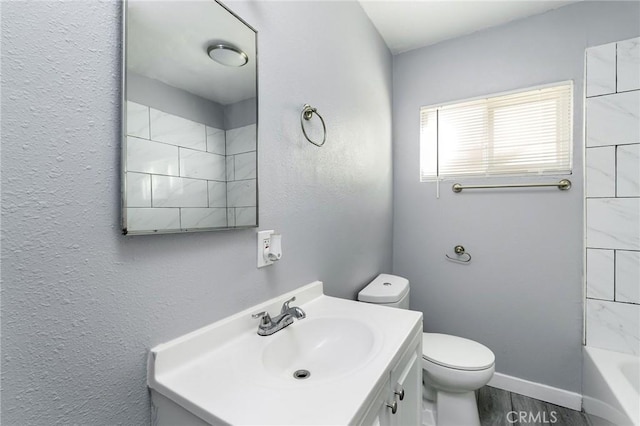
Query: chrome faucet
[269,325]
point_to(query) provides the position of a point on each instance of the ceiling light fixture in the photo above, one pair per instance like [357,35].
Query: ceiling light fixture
[227,55]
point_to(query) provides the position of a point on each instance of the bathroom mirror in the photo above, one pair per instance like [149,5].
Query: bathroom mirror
[190,116]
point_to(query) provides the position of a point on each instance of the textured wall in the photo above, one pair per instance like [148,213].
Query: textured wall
[82,304]
[522,293]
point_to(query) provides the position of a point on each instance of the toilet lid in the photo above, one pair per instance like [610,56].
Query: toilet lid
[384,289]
[456,352]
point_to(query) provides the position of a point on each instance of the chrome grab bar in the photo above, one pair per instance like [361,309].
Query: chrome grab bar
[564,184]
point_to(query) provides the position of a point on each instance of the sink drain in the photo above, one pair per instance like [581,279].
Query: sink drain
[301,374]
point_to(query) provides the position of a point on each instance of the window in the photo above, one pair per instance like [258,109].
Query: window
[523,133]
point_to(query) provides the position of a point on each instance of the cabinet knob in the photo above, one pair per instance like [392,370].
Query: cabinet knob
[400,393]
[393,406]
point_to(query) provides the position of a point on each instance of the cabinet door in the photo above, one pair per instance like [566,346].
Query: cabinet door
[378,414]
[385,417]
[405,380]
[409,383]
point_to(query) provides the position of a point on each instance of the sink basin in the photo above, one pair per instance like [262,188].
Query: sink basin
[324,347]
[214,373]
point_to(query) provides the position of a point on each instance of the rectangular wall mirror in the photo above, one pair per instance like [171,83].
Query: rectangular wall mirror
[190,116]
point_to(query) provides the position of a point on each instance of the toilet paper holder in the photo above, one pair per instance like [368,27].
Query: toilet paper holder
[460,251]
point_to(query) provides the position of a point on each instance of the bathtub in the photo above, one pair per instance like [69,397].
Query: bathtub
[611,387]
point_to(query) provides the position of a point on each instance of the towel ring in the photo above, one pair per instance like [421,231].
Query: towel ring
[307,113]
[459,250]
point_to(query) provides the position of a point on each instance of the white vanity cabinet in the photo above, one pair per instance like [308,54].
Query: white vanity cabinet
[399,399]
[359,358]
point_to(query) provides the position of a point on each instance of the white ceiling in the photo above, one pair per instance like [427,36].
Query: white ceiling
[168,40]
[407,25]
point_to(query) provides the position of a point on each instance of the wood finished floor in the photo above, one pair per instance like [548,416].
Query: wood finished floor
[494,406]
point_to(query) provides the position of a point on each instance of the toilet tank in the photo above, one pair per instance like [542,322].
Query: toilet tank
[387,290]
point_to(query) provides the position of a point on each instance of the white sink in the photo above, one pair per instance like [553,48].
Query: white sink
[324,347]
[225,373]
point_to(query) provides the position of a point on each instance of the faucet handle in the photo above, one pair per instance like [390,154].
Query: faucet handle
[285,305]
[265,317]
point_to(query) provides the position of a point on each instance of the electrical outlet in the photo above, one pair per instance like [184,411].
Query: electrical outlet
[264,242]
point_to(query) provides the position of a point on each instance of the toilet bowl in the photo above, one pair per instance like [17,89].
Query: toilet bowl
[453,368]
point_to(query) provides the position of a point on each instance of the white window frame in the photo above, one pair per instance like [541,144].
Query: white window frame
[562,128]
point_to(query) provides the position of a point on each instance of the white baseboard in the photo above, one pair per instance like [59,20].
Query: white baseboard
[535,390]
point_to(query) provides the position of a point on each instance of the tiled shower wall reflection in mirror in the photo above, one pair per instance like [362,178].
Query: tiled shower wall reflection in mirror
[181,174]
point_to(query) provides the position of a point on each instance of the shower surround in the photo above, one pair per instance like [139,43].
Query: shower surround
[612,194]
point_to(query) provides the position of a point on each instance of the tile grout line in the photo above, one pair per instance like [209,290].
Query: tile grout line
[615,261]
[615,171]
[609,248]
[616,67]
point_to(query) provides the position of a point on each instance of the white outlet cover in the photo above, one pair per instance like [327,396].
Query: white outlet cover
[264,237]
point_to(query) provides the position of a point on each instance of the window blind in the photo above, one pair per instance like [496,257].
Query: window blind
[523,133]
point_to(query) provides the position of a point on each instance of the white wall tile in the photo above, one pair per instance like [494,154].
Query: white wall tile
[152,219]
[151,157]
[600,274]
[601,171]
[138,190]
[217,194]
[613,223]
[246,216]
[137,120]
[203,218]
[179,131]
[242,139]
[613,326]
[629,65]
[628,276]
[245,165]
[628,176]
[613,119]
[241,193]
[601,69]
[216,140]
[230,168]
[179,192]
[202,165]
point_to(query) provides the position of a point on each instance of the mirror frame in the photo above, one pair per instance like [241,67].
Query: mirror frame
[123,134]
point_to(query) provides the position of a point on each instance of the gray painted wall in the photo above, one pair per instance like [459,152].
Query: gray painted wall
[82,304]
[522,293]
[156,94]
[240,114]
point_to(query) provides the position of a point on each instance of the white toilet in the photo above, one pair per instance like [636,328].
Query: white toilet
[453,368]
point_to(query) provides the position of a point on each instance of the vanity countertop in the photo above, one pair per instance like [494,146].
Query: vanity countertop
[218,372]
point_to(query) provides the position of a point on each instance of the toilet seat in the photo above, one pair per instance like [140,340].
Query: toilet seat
[456,352]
